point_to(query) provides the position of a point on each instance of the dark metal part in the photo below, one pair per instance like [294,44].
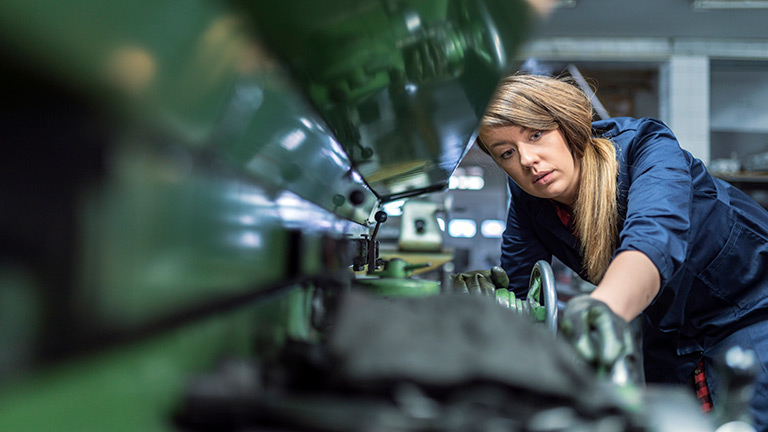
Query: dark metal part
[419,224]
[356,197]
[360,246]
[373,245]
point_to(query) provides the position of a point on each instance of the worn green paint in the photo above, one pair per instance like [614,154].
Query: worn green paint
[401,84]
[395,281]
[391,287]
[138,386]
[538,312]
[192,73]
[221,176]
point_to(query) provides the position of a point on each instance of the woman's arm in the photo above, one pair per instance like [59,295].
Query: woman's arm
[629,285]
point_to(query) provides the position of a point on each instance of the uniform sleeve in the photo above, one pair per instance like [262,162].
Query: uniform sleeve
[520,247]
[659,199]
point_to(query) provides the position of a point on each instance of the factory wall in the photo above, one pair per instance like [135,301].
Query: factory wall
[692,68]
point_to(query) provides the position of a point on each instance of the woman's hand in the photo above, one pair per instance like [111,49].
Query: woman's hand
[596,324]
[599,336]
[480,282]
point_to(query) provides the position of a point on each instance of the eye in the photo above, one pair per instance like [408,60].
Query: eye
[535,135]
[507,154]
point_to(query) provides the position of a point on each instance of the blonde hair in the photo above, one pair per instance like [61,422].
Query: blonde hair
[544,103]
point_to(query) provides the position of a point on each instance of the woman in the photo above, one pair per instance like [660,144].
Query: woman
[621,203]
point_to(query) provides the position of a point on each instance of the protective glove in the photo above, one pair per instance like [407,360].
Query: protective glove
[599,336]
[480,282]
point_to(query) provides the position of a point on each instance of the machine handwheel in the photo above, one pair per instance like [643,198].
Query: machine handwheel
[543,281]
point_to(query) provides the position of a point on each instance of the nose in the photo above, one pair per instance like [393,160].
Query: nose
[528,156]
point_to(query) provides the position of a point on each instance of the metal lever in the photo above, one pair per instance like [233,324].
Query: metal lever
[380,217]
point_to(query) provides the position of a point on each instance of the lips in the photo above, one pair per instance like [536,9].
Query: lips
[541,177]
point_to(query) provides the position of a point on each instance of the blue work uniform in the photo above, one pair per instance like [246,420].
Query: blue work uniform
[708,240]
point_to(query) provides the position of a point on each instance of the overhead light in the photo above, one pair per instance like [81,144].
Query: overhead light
[729,4]
[545,7]
[466,228]
[492,228]
[394,208]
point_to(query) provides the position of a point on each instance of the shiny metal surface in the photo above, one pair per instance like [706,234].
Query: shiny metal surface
[165,233]
[195,72]
[400,83]
[542,283]
[208,177]
[667,408]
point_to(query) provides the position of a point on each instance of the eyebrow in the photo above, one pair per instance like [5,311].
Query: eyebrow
[502,142]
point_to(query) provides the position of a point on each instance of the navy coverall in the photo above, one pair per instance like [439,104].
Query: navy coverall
[708,240]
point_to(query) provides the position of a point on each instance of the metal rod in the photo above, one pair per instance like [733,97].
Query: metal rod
[596,104]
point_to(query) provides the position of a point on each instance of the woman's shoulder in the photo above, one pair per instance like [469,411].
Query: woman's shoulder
[632,135]
[615,127]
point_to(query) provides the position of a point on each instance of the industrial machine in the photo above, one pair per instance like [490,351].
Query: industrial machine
[187,188]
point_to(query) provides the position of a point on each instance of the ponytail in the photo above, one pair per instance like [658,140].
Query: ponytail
[596,210]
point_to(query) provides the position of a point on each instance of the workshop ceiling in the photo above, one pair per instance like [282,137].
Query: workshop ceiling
[655,18]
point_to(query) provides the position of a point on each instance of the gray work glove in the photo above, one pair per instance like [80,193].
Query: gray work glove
[480,282]
[599,336]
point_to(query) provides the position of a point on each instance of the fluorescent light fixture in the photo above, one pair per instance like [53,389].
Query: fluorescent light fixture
[466,182]
[465,228]
[394,208]
[492,228]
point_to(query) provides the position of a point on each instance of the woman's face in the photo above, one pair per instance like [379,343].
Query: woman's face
[540,162]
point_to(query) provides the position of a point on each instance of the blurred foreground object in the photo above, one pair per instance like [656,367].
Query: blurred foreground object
[184,183]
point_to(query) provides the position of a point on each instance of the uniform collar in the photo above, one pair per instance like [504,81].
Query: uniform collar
[547,214]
